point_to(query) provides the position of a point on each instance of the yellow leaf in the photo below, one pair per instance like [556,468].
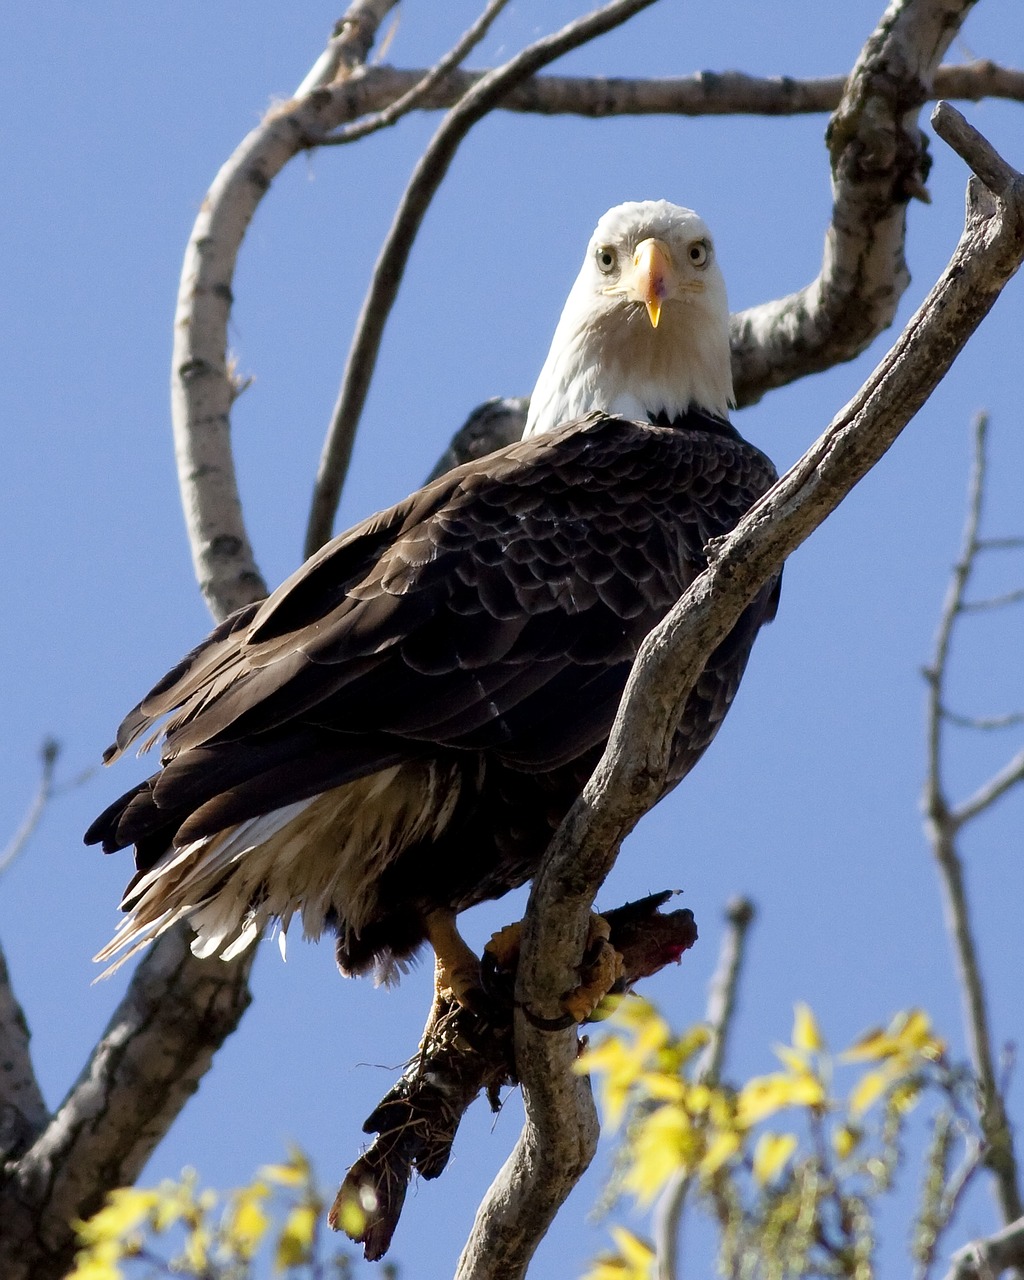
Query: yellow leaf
[845,1139]
[873,1046]
[806,1033]
[912,1033]
[246,1221]
[721,1148]
[660,1145]
[98,1262]
[636,1253]
[794,1059]
[196,1253]
[764,1095]
[296,1239]
[771,1153]
[125,1208]
[662,1087]
[295,1173]
[867,1091]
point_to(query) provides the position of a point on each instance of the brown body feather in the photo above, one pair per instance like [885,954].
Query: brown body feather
[443,677]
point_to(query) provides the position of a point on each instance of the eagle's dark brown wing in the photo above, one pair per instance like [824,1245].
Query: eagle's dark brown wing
[496,610]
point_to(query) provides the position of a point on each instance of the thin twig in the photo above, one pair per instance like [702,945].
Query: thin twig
[739,916]
[1000,544]
[414,97]
[993,790]
[49,754]
[993,602]
[943,824]
[394,254]
[985,723]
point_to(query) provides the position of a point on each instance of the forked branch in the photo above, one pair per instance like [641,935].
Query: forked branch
[944,821]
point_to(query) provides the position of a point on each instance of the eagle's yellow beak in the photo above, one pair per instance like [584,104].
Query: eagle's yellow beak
[652,275]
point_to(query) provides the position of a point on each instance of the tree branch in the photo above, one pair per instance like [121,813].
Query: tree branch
[630,776]
[394,254]
[943,822]
[23,1113]
[157,1046]
[879,162]
[414,96]
[739,916]
[349,45]
[203,387]
[705,93]
[988,1258]
[49,753]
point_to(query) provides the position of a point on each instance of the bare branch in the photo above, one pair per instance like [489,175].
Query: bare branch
[988,1258]
[993,602]
[879,162]
[985,723]
[414,97]
[157,1046]
[936,806]
[349,45]
[23,1113]
[739,916]
[202,385]
[986,796]
[705,93]
[394,254]
[630,777]
[943,822]
[1000,544]
[49,753]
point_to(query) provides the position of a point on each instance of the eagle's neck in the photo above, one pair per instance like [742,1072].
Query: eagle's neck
[620,365]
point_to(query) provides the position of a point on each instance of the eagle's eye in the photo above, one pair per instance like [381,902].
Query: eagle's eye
[607,259]
[698,253]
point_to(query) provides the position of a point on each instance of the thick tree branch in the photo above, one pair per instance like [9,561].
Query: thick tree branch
[704,93]
[630,776]
[879,162]
[943,822]
[989,1258]
[349,46]
[156,1048]
[203,386]
[394,254]
[23,1113]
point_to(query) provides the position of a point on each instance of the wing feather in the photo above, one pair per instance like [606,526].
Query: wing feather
[498,608]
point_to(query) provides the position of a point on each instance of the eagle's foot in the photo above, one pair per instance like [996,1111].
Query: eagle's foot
[456,966]
[600,970]
[503,949]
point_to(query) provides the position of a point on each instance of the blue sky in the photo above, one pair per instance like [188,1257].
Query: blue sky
[116,118]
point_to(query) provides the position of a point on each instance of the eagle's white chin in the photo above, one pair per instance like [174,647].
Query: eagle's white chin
[608,354]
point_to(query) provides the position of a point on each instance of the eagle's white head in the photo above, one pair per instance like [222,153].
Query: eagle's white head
[645,329]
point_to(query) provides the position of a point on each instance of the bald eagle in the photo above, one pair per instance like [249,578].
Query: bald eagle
[396,732]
